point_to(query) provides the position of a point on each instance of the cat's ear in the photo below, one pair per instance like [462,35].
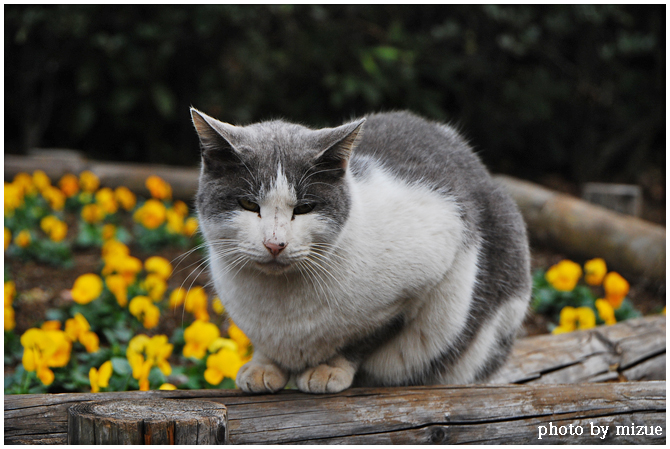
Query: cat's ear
[337,154]
[215,137]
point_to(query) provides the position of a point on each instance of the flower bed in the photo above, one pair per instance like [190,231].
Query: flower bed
[107,330]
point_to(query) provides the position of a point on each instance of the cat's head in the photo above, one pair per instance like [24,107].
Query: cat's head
[272,195]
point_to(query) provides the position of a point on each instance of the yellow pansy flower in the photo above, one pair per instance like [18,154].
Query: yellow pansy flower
[106,200]
[122,264]
[23,239]
[595,270]
[175,222]
[225,363]
[143,353]
[41,180]
[177,297]
[564,275]
[108,232]
[51,325]
[217,305]
[55,197]
[125,197]
[13,198]
[25,183]
[158,188]
[155,286]
[87,287]
[8,238]
[56,229]
[43,350]
[195,302]
[100,378]
[167,386]
[238,336]
[575,318]
[151,215]
[616,288]
[10,318]
[198,336]
[77,326]
[606,311]
[119,288]
[190,226]
[143,309]
[181,208]
[158,265]
[114,247]
[88,181]
[92,213]
[69,185]
[90,341]
[10,293]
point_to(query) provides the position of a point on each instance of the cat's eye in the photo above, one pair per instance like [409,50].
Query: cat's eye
[303,209]
[249,205]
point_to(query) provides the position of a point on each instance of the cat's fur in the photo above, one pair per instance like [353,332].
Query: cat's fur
[412,268]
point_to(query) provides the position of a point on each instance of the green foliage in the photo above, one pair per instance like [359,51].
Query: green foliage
[561,88]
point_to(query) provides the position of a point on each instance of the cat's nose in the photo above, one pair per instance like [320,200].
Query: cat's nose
[274,248]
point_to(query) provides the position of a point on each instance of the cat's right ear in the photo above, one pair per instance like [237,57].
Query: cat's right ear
[215,139]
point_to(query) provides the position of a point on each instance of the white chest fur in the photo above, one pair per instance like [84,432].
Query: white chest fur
[399,242]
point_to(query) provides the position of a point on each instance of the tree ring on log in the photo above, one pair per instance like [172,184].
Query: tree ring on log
[148,421]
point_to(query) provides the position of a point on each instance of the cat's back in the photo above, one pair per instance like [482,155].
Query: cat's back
[417,150]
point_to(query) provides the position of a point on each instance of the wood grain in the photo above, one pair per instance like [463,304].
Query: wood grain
[147,421]
[634,349]
[446,414]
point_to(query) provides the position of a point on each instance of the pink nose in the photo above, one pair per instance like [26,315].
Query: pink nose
[274,248]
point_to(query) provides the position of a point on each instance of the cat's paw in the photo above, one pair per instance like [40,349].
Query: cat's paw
[325,379]
[261,378]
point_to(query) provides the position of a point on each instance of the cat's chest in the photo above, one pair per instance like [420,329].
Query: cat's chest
[300,325]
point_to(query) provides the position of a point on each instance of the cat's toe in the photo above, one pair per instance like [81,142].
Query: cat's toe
[255,378]
[324,379]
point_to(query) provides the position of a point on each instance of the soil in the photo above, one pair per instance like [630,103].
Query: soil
[41,287]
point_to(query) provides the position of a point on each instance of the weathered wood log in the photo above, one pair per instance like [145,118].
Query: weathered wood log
[441,414]
[147,421]
[630,350]
[585,230]
[569,224]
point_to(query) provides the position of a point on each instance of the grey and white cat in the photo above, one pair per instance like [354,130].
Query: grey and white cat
[376,253]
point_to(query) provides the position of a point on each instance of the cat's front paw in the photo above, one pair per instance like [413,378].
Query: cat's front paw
[325,379]
[257,377]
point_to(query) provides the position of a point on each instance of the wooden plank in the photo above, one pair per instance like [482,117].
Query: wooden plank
[449,414]
[594,355]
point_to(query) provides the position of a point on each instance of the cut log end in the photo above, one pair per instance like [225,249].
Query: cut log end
[148,422]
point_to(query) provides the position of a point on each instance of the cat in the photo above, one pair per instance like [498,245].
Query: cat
[376,253]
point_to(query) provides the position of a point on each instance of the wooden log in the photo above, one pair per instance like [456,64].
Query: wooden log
[630,350]
[184,180]
[585,230]
[147,421]
[504,414]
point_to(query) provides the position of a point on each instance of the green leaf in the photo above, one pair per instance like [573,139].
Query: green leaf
[121,366]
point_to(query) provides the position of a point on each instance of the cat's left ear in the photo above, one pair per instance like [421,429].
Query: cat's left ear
[215,138]
[346,138]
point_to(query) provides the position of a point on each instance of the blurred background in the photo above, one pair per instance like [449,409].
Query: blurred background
[560,95]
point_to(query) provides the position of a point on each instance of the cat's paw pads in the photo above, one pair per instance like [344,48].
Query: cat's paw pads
[261,378]
[325,379]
